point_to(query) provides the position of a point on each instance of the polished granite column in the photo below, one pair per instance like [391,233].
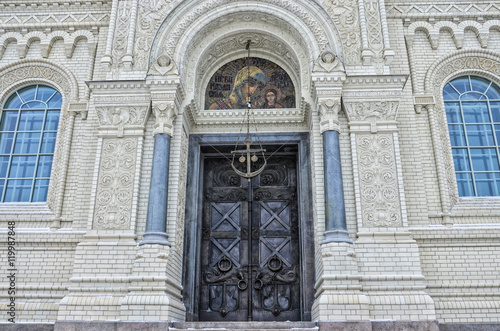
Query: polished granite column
[156,224]
[335,219]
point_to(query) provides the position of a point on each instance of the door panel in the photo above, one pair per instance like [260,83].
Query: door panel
[250,245]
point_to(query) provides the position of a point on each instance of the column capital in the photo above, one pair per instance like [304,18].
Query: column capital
[165,113]
[329,115]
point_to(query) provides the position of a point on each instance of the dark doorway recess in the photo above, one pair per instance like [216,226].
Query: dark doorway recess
[249,245]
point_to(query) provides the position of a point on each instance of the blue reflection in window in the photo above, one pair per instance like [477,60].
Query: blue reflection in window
[472,107]
[28,131]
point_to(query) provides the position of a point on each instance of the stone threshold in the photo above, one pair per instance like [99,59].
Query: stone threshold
[253,326]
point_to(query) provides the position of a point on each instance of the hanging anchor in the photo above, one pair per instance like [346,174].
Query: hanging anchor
[249,159]
[248,140]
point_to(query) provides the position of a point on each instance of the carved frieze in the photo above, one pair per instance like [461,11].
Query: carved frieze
[378,181]
[121,117]
[372,110]
[115,186]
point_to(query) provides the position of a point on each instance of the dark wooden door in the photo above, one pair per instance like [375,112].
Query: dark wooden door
[250,255]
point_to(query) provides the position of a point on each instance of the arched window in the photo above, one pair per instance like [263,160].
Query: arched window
[28,130]
[473,111]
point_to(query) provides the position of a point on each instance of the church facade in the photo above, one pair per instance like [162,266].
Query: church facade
[334,162]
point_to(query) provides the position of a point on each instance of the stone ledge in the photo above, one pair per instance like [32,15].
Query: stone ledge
[110,326]
[323,326]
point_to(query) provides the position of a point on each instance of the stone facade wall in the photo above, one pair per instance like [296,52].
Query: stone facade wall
[438,260]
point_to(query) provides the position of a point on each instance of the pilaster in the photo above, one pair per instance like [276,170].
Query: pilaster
[388,258]
[102,260]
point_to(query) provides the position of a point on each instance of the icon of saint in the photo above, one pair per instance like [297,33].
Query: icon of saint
[271,99]
[249,82]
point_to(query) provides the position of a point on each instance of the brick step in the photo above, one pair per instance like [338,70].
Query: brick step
[245,326]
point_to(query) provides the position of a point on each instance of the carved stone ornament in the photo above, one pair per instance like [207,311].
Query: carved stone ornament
[163,66]
[329,115]
[115,186]
[40,70]
[372,110]
[121,117]
[327,62]
[378,180]
[345,14]
[165,113]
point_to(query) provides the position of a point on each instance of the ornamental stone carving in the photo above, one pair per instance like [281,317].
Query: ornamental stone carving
[346,17]
[40,70]
[372,110]
[163,66]
[165,114]
[327,62]
[329,115]
[380,200]
[115,186]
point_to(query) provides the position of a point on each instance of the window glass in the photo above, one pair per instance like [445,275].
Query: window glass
[474,128]
[28,131]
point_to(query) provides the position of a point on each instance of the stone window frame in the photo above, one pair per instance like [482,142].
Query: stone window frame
[27,72]
[482,63]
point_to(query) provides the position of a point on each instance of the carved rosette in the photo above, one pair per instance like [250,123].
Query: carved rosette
[115,184]
[165,113]
[329,115]
[380,199]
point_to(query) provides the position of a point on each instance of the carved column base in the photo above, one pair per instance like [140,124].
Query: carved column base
[336,236]
[391,277]
[152,238]
[338,295]
[153,294]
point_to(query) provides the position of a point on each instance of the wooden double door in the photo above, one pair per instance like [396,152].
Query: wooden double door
[250,251]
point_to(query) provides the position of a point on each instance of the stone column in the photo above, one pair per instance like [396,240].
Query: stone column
[165,113]
[338,295]
[335,219]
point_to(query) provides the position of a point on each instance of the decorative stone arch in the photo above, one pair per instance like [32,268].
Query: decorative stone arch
[193,32]
[27,72]
[466,62]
